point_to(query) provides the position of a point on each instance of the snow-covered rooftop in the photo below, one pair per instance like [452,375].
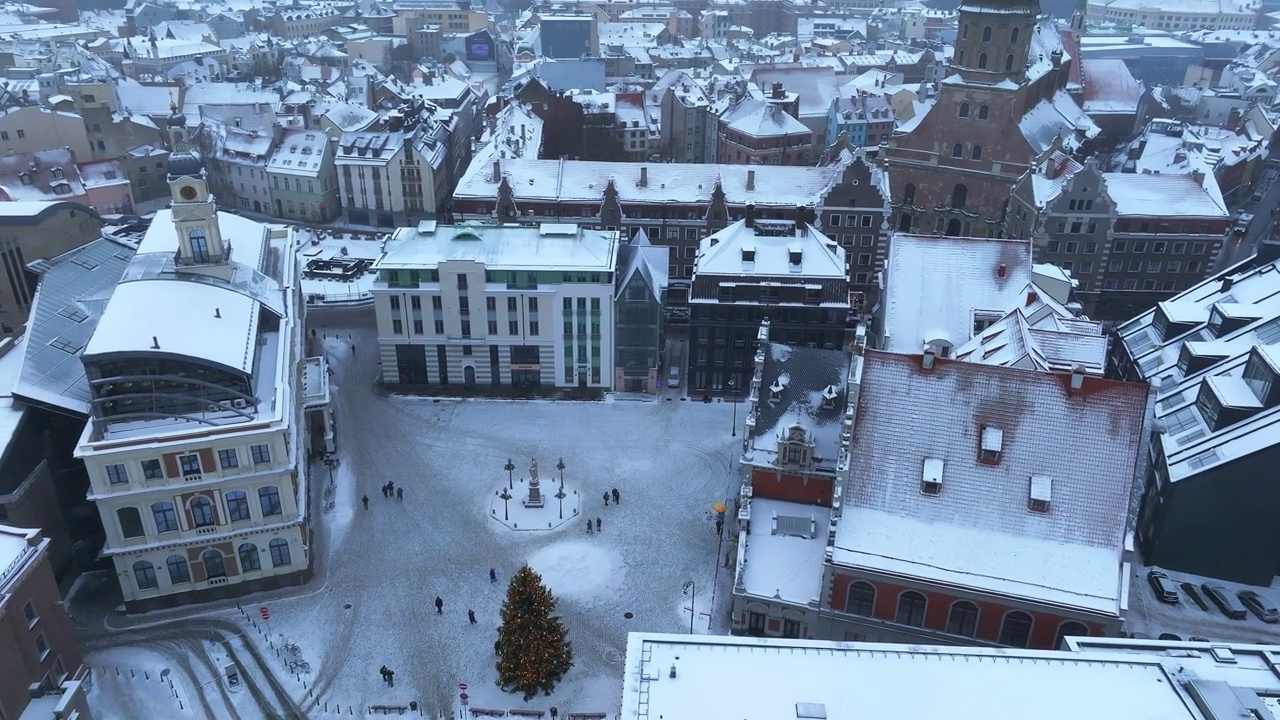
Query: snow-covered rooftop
[1182,195]
[301,152]
[784,566]
[501,247]
[803,375]
[1059,118]
[773,248]
[978,531]
[17,548]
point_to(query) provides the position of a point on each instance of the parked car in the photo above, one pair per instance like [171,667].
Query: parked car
[1260,606]
[673,377]
[1197,638]
[1242,221]
[1166,590]
[1171,636]
[1194,594]
[1225,601]
[1256,197]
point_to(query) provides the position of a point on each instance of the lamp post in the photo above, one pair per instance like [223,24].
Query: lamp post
[560,467]
[733,388]
[510,467]
[505,495]
[691,590]
[561,496]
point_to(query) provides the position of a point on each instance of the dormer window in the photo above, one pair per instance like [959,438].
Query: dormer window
[931,477]
[829,395]
[794,257]
[1260,375]
[1041,492]
[58,174]
[991,445]
[775,390]
[25,178]
[748,254]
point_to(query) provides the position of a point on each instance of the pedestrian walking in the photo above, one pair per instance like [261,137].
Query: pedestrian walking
[391,677]
[400,493]
[439,606]
[365,500]
[589,529]
[493,575]
[353,348]
[471,615]
[617,496]
[606,498]
[384,491]
[597,524]
[719,527]
[391,486]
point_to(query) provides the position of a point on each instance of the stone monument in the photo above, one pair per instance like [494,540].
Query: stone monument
[535,493]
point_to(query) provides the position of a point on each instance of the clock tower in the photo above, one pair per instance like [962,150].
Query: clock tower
[201,248]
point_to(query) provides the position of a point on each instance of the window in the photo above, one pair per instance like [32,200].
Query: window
[190,465]
[861,599]
[280,553]
[975,153]
[130,522]
[29,612]
[397,327]
[165,515]
[1015,631]
[963,619]
[395,302]
[1008,63]
[116,474]
[957,150]
[1069,628]
[214,567]
[1054,246]
[1193,266]
[151,470]
[911,606]
[959,194]
[1013,35]
[909,194]
[144,574]
[179,571]
[269,500]
[249,560]
[201,511]
[462,282]
[986,34]
[199,245]
[237,506]
[983,112]
[261,454]
[228,458]
[982,61]
[1197,248]
[964,110]
[22,134]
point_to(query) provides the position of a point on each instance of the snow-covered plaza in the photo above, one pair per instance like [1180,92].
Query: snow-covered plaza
[379,570]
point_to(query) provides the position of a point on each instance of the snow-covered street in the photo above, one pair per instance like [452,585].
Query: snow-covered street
[378,571]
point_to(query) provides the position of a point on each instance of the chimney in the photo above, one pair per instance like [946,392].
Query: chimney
[926,359]
[155,343]
[1002,270]
[751,214]
[497,170]
[801,223]
[1077,378]
[217,312]
[1227,282]
[1198,176]
[751,180]
[644,176]
[778,93]
[1055,58]
[1032,297]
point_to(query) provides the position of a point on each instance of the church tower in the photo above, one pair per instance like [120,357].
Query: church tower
[994,40]
[201,248]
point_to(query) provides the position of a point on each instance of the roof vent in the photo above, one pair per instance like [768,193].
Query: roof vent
[1077,378]
[794,526]
[748,255]
[1041,493]
[931,476]
[926,360]
[155,342]
[1002,270]
[991,444]
[811,711]
[775,390]
[795,256]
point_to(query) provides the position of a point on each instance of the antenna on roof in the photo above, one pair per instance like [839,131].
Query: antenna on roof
[217,312]
[155,343]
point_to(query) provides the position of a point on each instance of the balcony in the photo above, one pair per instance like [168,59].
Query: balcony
[195,477]
[217,581]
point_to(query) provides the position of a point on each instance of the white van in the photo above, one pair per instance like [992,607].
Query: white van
[673,377]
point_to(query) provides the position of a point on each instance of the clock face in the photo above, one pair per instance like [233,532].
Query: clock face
[187,192]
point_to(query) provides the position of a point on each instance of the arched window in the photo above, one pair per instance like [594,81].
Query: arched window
[983,112]
[1008,64]
[130,522]
[1004,211]
[280,553]
[959,194]
[249,559]
[986,34]
[964,109]
[911,607]
[963,619]
[964,32]
[957,150]
[975,152]
[909,194]
[201,511]
[165,516]
[960,57]
[861,599]
[1015,631]
[1072,628]
[213,564]
[179,571]
[953,230]
[199,245]
[982,61]
[904,222]
[1013,35]
[144,574]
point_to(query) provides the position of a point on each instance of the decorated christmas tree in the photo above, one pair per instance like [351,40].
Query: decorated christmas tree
[533,654]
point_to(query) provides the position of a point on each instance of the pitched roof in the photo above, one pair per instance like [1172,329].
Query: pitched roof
[1165,196]
[803,374]
[978,532]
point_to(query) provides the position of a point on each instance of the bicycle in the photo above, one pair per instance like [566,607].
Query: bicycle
[299,665]
[329,506]
[291,648]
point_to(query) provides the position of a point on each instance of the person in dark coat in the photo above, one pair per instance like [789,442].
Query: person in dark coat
[365,500]
[439,606]
[493,575]
[597,524]
[471,615]
[399,493]
[384,491]
[606,498]
[617,496]
[589,526]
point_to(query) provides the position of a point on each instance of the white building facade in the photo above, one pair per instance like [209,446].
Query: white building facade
[497,305]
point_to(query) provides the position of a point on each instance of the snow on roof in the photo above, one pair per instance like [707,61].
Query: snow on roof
[760,119]
[1051,176]
[1060,118]
[783,566]
[351,118]
[581,180]
[803,375]
[301,152]
[815,86]
[774,246]
[17,548]
[501,247]
[778,678]
[1070,555]
[1165,196]
[974,274]
[11,411]
[1109,87]
[1054,343]
[649,261]
[103,173]
[222,93]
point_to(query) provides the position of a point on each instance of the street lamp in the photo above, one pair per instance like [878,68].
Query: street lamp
[560,467]
[561,496]
[691,591]
[510,467]
[505,497]
[733,387]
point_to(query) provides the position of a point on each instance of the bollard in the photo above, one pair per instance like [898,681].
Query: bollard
[117,672]
[131,675]
[146,675]
[180,705]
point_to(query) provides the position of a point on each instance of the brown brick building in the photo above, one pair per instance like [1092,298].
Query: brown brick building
[1001,105]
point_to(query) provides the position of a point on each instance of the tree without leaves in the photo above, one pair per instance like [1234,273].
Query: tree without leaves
[533,654]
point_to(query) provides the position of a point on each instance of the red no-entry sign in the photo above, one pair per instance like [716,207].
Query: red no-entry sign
[462,687]
[264,612]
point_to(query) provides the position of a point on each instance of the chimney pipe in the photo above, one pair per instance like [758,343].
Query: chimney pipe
[155,343]
[1227,282]
[1077,377]
[217,312]
[1002,270]
[751,180]
[644,176]
[926,359]
[801,220]
[751,215]
[497,171]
